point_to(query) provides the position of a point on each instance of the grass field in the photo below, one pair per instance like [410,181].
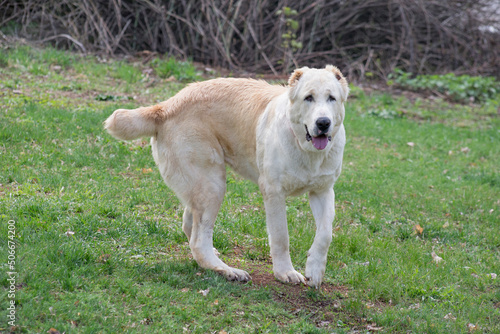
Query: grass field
[98,240]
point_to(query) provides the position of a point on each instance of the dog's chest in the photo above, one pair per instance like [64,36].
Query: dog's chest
[305,178]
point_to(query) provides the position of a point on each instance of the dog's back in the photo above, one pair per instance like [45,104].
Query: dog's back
[213,98]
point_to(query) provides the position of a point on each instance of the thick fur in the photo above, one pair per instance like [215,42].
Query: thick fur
[265,133]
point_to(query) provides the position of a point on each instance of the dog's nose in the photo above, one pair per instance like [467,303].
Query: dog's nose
[323,123]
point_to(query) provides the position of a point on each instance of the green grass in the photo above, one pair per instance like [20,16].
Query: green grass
[420,177]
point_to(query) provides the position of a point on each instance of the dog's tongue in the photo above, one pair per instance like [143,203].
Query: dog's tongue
[320,142]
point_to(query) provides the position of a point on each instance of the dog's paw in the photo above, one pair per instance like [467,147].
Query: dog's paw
[314,276]
[233,274]
[290,276]
[314,282]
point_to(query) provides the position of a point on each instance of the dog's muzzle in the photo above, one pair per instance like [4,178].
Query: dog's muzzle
[321,140]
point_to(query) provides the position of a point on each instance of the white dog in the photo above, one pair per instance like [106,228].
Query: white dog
[289,140]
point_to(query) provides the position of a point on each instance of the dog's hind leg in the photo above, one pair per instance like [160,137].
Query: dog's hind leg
[195,170]
[187,222]
[203,199]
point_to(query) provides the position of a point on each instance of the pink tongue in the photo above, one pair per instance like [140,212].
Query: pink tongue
[320,142]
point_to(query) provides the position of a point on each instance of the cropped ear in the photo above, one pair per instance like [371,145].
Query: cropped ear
[342,80]
[294,78]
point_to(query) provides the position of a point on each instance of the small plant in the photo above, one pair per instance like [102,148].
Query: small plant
[384,113]
[461,88]
[180,70]
[290,43]
[4,60]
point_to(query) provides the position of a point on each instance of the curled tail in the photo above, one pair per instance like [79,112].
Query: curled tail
[128,124]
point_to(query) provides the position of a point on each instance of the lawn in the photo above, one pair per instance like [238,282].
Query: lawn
[98,245]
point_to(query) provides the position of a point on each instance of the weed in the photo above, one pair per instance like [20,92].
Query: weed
[180,70]
[462,88]
[384,113]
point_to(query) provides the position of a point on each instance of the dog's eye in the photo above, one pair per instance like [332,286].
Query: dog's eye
[331,99]
[309,98]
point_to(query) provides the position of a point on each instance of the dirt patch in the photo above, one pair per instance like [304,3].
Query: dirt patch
[322,306]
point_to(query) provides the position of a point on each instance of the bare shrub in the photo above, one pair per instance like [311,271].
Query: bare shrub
[363,37]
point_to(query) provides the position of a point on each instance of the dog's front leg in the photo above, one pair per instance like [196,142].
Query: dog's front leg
[278,239]
[323,209]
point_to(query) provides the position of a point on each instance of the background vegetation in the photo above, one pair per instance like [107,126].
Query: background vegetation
[100,248]
[364,38]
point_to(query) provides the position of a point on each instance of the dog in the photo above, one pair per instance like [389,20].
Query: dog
[288,139]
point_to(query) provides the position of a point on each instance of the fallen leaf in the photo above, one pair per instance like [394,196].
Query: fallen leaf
[414,306]
[450,316]
[69,233]
[146,170]
[103,258]
[472,327]
[465,150]
[446,224]
[53,331]
[436,258]
[138,256]
[373,327]
[418,229]
[411,144]
[324,323]
[185,290]
[204,292]
[216,302]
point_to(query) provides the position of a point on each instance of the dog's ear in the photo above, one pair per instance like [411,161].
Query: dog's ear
[294,78]
[342,80]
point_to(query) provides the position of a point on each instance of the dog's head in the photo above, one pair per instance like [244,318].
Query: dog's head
[316,110]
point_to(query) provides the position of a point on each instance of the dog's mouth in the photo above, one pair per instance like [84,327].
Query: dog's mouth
[320,141]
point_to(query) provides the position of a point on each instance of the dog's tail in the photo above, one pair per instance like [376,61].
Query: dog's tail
[128,124]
